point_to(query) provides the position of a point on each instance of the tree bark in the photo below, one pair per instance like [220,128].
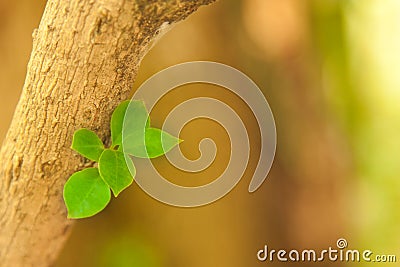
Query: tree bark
[84,60]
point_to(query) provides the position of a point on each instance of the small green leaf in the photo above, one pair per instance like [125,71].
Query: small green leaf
[86,194]
[88,144]
[139,139]
[133,133]
[115,171]
[117,120]
[159,142]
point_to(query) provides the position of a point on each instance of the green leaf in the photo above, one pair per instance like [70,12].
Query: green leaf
[86,194]
[88,144]
[139,139]
[117,120]
[115,171]
[133,133]
[159,142]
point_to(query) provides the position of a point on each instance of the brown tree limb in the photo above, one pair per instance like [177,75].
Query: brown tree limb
[84,60]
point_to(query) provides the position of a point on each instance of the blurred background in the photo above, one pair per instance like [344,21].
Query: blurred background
[330,71]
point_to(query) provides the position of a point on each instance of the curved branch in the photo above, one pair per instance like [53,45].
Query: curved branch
[84,60]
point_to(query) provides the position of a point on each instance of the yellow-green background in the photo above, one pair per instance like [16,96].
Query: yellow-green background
[330,70]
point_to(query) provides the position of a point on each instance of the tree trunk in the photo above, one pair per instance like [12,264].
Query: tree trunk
[84,60]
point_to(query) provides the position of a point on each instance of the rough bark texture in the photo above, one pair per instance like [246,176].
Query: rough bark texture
[84,60]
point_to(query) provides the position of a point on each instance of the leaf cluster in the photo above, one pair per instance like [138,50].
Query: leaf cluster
[87,192]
